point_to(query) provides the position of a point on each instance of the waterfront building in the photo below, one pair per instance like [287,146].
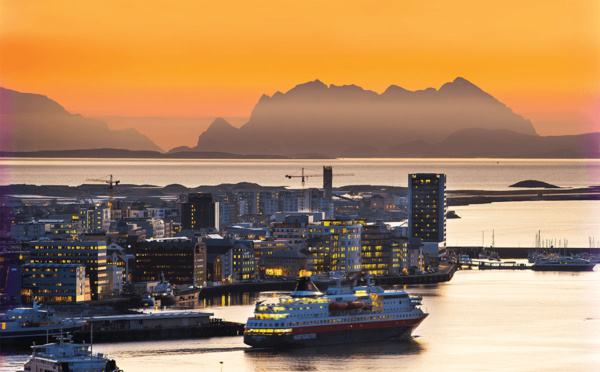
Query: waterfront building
[51,282]
[427,206]
[288,263]
[199,211]
[266,248]
[378,253]
[347,257]
[181,260]
[91,254]
[319,250]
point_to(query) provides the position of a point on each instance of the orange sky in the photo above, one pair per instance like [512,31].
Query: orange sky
[215,58]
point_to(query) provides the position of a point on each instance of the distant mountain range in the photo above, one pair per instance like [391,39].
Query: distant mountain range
[348,121]
[33,122]
[311,120]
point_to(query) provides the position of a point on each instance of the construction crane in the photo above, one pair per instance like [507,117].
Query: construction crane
[328,182]
[110,183]
[304,176]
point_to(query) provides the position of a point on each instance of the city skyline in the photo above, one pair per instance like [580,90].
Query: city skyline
[198,60]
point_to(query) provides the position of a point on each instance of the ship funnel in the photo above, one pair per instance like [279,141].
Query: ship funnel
[306,288]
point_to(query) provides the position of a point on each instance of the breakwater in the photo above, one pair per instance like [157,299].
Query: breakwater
[519,252]
[444,275]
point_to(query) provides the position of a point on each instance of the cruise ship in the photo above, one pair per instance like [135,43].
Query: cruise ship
[341,315]
[23,325]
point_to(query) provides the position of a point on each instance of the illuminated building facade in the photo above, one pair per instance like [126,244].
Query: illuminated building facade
[376,250]
[427,206]
[348,254]
[95,218]
[239,262]
[289,263]
[90,254]
[49,283]
[181,260]
[320,252]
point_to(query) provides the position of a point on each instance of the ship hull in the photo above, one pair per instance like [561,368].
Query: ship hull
[563,267]
[346,336]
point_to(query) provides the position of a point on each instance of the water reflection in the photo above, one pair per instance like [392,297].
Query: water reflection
[332,357]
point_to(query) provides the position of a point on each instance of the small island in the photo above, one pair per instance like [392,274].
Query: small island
[534,184]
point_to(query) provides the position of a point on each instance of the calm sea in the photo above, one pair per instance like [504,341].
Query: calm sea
[462,174]
[480,321]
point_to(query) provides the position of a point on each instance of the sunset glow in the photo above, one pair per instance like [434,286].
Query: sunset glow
[207,59]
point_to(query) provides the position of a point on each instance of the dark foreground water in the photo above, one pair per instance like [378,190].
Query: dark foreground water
[482,321]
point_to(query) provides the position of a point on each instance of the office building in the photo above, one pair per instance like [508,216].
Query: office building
[91,254]
[50,283]
[199,212]
[348,254]
[181,260]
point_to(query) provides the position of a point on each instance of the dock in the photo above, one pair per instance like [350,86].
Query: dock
[156,326]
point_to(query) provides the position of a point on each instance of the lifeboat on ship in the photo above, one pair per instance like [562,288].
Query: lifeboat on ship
[336,306]
[354,305]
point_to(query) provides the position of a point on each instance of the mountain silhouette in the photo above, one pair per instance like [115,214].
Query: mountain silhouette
[348,120]
[33,122]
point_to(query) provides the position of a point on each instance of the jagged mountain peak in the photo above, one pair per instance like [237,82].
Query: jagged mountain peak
[462,88]
[220,124]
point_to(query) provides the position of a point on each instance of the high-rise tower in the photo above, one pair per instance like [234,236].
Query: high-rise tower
[427,206]
[199,212]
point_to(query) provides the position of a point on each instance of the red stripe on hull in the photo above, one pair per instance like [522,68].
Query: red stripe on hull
[356,325]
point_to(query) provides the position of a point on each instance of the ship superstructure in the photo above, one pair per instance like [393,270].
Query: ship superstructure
[340,315]
[65,356]
[23,325]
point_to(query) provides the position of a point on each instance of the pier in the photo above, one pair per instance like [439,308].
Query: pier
[156,326]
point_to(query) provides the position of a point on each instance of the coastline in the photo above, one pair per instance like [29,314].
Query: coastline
[454,197]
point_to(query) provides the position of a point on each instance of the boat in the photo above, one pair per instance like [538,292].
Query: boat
[164,292]
[65,356]
[23,325]
[147,300]
[308,317]
[564,264]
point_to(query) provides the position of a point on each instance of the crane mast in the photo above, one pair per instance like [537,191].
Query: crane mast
[327,173]
[111,183]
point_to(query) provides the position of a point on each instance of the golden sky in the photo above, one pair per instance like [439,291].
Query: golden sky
[202,59]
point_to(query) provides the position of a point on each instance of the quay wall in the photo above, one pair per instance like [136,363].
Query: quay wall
[216,328]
